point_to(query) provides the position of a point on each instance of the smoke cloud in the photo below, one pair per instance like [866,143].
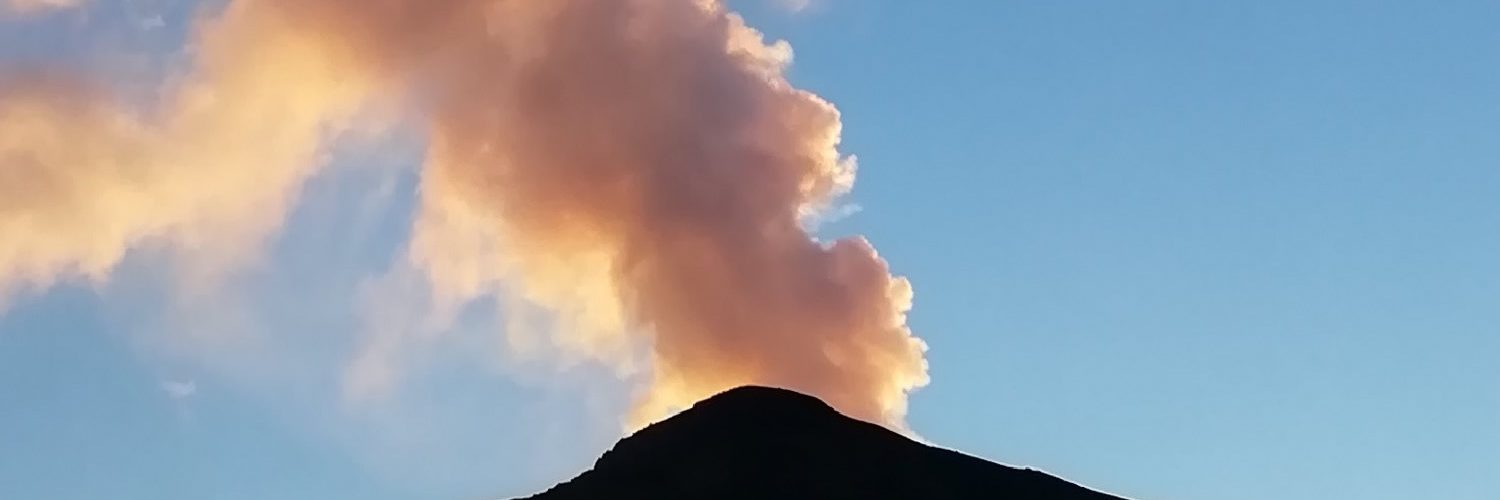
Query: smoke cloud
[640,167]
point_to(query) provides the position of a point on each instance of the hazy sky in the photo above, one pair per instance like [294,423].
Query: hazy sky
[1172,250]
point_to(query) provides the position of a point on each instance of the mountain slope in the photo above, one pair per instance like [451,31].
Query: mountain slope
[759,442]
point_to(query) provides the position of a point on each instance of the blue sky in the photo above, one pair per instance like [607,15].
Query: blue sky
[1174,250]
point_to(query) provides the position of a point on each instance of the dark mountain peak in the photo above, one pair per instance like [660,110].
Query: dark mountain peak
[763,442]
[752,421]
[750,406]
[762,400]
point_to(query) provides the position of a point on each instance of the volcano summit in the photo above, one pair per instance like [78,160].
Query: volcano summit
[760,442]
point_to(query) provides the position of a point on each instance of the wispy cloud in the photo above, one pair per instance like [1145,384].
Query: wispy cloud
[795,5]
[180,389]
[36,6]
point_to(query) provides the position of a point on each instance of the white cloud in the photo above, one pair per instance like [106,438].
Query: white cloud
[180,390]
[151,22]
[795,5]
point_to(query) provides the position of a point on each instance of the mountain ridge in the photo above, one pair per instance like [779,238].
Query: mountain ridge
[764,442]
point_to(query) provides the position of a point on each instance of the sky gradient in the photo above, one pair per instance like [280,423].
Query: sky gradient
[1165,249]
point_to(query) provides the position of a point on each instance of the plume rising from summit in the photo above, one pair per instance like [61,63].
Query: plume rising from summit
[640,167]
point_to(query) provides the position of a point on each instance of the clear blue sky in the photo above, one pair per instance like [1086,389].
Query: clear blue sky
[1171,249]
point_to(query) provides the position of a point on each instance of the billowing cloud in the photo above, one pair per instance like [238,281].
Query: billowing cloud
[642,168]
[648,171]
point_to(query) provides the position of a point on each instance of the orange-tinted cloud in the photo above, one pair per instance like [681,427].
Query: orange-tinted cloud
[640,167]
[24,7]
[210,173]
[645,166]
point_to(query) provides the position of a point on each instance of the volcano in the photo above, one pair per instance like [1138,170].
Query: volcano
[766,443]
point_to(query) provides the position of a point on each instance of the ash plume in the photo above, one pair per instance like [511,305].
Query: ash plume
[642,168]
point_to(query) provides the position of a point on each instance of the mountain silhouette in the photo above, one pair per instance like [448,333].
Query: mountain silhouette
[765,443]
